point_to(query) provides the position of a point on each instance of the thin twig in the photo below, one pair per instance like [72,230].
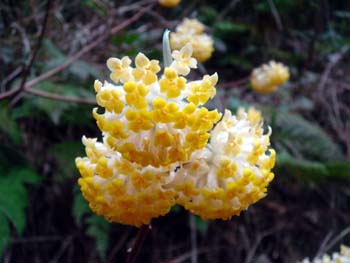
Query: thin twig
[335,240]
[194,258]
[276,15]
[75,57]
[54,96]
[334,59]
[228,8]
[36,239]
[27,68]
[187,255]
[64,246]
[37,47]
[13,75]
[118,246]
[321,249]
[140,238]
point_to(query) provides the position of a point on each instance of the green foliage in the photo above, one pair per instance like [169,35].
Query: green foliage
[8,125]
[80,206]
[224,29]
[96,227]
[312,170]
[65,154]
[127,38]
[14,200]
[208,15]
[54,109]
[80,70]
[15,174]
[4,233]
[294,134]
[200,224]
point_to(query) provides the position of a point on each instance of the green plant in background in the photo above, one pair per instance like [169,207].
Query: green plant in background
[15,176]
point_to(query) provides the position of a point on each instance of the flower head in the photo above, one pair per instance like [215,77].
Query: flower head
[183,61]
[192,31]
[169,3]
[231,173]
[269,77]
[155,153]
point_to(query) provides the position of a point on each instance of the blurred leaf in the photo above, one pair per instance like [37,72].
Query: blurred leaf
[80,69]
[98,228]
[4,234]
[14,196]
[80,206]
[240,62]
[13,201]
[235,103]
[65,154]
[175,209]
[201,225]
[8,125]
[302,103]
[281,5]
[301,169]
[227,29]
[127,38]
[342,14]
[83,70]
[53,108]
[302,138]
[311,170]
[208,15]
[79,115]
[339,169]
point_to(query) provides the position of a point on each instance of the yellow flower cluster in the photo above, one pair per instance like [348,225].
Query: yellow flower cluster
[155,151]
[169,3]
[269,77]
[192,31]
[342,257]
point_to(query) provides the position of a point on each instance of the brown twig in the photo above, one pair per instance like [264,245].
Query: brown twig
[118,246]
[194,257]
[13,75]
[26,70]
[140,238]
[276,15]
[54,96]
[69,61]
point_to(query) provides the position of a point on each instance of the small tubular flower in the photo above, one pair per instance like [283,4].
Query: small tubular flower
[336,257]
[192,31]
[232,172]
[119,190]
[169,3]
[155,153]
[269,77]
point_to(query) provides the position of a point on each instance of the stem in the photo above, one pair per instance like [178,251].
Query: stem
[140,238]
[194,258]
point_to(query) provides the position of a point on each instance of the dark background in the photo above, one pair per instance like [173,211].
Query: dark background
[46,91]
